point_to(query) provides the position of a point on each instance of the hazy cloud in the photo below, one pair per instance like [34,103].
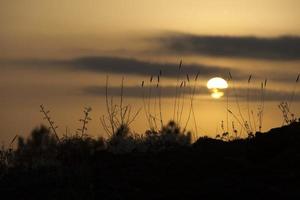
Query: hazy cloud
[170,92]
[126,66]
[278,48]
[136,67]
[132,66]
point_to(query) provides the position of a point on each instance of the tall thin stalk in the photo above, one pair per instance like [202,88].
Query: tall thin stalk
[227,107]
[149,102]
[179,96]
[12,141]
[109,107]
[236,100]
[186,85]
[237,119]
[144,104]
[191,111]
[294,91]
[155,103]
[176,91]
[262,106]
[254,122]
[195,121]
[121,102]
[47,117]
[248,106]
[85,120]
[159,99]
[119,116]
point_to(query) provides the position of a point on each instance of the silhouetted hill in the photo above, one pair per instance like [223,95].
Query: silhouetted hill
[263,167]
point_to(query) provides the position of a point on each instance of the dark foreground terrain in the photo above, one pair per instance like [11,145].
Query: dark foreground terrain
[266,166]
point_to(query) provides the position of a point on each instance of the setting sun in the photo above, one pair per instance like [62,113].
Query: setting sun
[216,85]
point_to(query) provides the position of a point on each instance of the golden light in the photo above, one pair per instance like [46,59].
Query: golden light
[216,85]
[216,94]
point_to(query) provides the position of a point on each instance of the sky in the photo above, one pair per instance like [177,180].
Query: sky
[58,53]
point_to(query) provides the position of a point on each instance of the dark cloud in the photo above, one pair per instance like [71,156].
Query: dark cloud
[125,66]
[170,92]
[117,65]
[278,48]
[131,66]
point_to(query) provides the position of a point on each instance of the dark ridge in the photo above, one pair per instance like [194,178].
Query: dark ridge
[263,167]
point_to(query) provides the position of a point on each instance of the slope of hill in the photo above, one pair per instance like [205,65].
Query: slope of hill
[263,167]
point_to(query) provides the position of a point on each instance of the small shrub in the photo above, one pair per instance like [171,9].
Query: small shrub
[169,136]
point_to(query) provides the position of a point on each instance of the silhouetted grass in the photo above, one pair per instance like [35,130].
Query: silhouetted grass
[154,166]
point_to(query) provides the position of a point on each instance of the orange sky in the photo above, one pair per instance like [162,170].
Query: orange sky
[35,28]
[66,29]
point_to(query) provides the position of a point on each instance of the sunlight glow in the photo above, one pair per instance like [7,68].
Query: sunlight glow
[216,94]
[217,83]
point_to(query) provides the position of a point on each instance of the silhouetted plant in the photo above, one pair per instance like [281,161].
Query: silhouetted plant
[261,108]
[169,136]
[248,102]
[75,149]
[6,158]
[288,117]
[237,119]
[182,87]
[40,139]
[250,125]
[294,92]
[118,116]
[242,121]
[159,98]
[38,149]
[191,110]
[175,110]
[240,118]
[225,134]
[85,120]
[47,117]
[121,141]
[145,104]
[285,106]
[153,113]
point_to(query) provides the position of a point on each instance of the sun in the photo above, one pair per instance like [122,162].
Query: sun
[216,85]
